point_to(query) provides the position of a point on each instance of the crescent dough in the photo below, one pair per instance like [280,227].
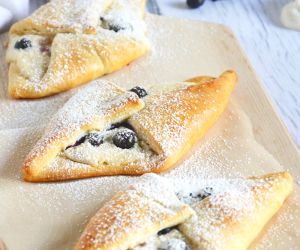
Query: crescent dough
[167,126]
[172,122]
[232,220]
[231,217]
[133,215]
[73,42]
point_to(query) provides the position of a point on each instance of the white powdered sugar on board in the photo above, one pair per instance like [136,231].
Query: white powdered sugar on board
[77,201]
[56,213]
[236,200]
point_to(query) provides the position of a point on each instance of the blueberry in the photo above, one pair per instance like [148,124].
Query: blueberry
[166,230]
[78,142]
[205,193]
[125,139]
[95,139]
[194,3]
[111,26]
[115,27]
[120,124]
[139,91]
[23,44]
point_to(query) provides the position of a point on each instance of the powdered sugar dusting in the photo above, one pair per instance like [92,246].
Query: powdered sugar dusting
[230,153]
[183,108]
[132,212]
[85,37]
[94,106]
[159,189]
[230,202]
[70,205]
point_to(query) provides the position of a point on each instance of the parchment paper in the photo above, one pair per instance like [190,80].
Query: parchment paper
[49,216]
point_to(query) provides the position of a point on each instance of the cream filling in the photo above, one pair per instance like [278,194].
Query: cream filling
[173,240]
[109,154]
[32,62]
[193,195]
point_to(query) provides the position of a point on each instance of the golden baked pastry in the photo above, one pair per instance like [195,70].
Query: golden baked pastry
[133,215]
[226,214]
[95,108]
[236,211]
[66,43]
[176,117]
[151,139]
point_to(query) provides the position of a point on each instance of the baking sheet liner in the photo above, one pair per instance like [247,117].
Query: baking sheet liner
[47,216]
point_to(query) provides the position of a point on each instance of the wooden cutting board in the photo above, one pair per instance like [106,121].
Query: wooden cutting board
[180,50]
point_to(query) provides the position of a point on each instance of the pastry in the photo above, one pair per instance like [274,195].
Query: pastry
[235,212]
[226,214]
[66,43]
[134,215]
[174,119]
[151,139]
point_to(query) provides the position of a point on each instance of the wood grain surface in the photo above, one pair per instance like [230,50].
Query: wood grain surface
[273,50]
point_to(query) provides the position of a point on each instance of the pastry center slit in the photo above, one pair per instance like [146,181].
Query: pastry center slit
[166,239]
[194,196]
[117,145]
[32,55]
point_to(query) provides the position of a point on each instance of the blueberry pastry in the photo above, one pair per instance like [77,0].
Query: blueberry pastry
[153,215]
[66,43]
[80,140]
[97,134]
[236,211]
[146,213]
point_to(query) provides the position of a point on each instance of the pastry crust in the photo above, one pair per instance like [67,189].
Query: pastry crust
[79,43]
[170,124]
[96,107]
[227,219]
[131,216]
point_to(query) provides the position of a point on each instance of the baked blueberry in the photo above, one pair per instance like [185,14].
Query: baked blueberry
[193,4]
[115,27]
[95,139]
[24,43]
[204,193]
[166,230]
[120,124]
[78,142]
[139,91]
[110,26]
[125,139]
